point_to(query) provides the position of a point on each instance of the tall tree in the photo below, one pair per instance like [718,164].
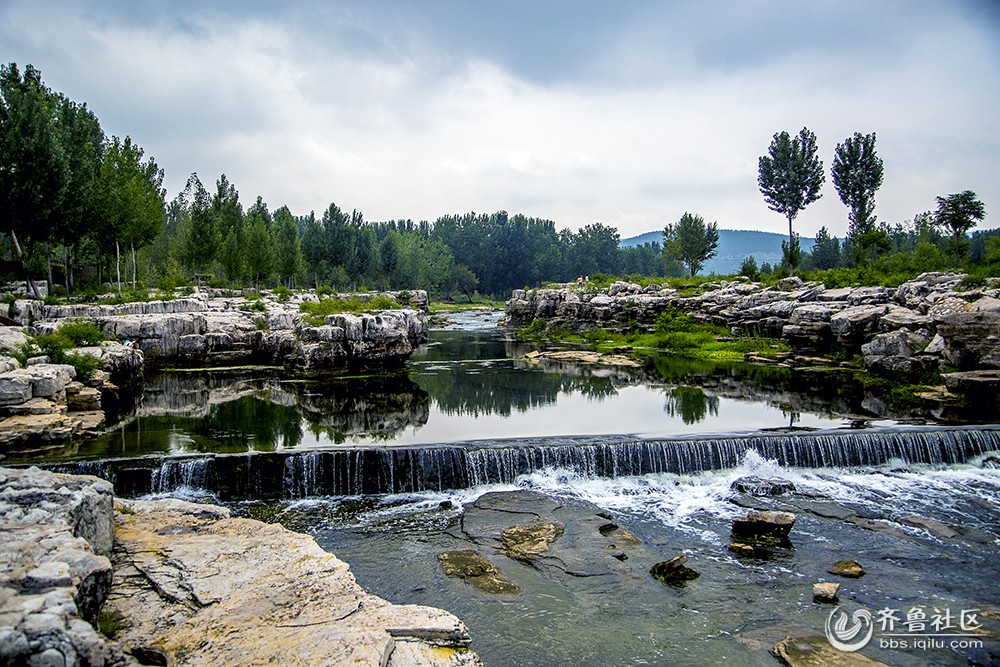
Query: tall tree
[314,249]
[690,241]
[826,250]
[958,213]
[857,175]
[790,177]
[33,172]
[288,250]
[201,242]
[133,196]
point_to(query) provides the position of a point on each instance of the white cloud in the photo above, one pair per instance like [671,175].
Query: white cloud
[404,128]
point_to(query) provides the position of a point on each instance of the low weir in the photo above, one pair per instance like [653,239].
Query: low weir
[383,470]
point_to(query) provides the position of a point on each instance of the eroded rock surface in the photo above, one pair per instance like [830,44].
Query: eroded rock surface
[208,589]
[54,569]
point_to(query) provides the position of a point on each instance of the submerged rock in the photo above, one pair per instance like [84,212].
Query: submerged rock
[818,652]
[477,571]
[528,542]
[847,568]
[764,527]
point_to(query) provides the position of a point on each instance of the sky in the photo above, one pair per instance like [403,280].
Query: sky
[626,112]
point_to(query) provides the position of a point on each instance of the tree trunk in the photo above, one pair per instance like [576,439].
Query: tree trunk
[48,267]
[68,271]
[118,267]
[132,245]
[791,247]
[32,287]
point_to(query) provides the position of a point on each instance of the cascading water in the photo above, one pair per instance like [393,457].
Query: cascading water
[359,471]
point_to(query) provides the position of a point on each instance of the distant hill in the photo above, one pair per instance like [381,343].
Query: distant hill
[734,246]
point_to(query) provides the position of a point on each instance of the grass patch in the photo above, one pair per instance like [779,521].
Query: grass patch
[674,332]
[315,312]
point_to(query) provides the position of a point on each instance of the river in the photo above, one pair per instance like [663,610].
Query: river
[383,470]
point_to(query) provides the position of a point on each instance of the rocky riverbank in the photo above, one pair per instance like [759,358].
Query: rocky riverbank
[928,323]
[176,583]
[215,328]
[43,403]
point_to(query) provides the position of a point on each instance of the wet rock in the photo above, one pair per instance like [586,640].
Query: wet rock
[935,528]
[741,549]
[763,486]
[818,652]
[241,592]
[764,527]
[825,592]
[847,568]
[674,571]
[979,388]
[528,542]
[477,571]
[619,535]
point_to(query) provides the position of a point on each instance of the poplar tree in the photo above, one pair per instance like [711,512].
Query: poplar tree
[790,177]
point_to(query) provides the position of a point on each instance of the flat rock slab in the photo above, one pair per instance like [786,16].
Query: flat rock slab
[817,652]
[207,589]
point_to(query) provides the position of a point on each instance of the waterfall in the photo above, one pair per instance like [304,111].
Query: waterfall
[360,471]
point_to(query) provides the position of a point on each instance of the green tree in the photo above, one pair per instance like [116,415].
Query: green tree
[857,175]
[389,258]
[314,250]
[287,247]
[826,250]
[790,177]
[34,174]
[132,196]
[749,268]
[690,241]
[465,280]
[259,250]
[83,148]
[201,241]
[958,213]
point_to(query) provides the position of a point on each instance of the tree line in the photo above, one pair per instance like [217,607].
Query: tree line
[72,197]
[66,189]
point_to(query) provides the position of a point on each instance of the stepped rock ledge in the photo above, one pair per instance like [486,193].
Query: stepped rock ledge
[929,322]
[177,583]
[43,403]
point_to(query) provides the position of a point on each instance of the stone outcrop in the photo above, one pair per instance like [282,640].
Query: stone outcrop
[224,330]
[923,324]
[207,589]
[763,527]
[56,575]
[192,586]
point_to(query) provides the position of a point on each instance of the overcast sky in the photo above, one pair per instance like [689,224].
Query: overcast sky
[626,113]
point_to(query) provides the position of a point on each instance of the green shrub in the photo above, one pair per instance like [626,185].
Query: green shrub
[77,333]
[282,293]
[316,311]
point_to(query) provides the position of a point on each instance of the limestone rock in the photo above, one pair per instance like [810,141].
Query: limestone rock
[847,568]
[477,571]
[763,527]
[528,542]
[818,652]
[214,590]
[54,570]
[825,592]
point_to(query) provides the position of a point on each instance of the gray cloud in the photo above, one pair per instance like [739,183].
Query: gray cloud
[625,113]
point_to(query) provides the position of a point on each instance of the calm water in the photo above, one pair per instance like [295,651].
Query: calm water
[469,383]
